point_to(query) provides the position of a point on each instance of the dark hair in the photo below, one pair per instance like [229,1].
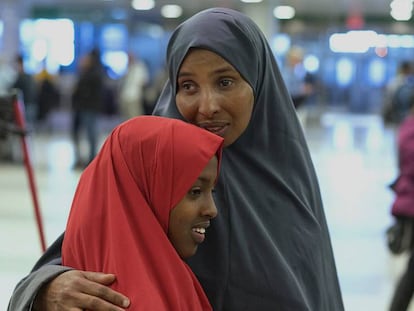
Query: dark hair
[19,59]
[405,67]
[95,55]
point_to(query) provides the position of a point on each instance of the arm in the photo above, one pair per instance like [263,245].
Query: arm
[50,286]
[26,290]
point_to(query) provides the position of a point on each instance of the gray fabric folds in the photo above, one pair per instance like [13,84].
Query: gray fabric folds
[269,248]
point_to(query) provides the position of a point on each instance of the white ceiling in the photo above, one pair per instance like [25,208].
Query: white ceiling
[321,8]
[342,7]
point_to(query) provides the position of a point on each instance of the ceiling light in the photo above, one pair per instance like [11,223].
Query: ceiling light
[142,4]
[284,12]
[401,10]
[251,1]
[171,11]
[401,15]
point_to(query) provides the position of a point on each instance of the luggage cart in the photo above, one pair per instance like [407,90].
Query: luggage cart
[13,122]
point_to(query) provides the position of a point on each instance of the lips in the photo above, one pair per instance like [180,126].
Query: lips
[218,128]
[199,231]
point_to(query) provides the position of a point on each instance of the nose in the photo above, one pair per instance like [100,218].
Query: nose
[208,103]
[210,210]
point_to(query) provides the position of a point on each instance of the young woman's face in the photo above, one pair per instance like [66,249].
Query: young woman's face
[212,94]
[190,218]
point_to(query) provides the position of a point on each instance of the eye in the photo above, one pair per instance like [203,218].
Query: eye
[187,86]
[226,82]
[194,192]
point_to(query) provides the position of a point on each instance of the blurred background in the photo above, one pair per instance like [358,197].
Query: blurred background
[352,47]
[339,59]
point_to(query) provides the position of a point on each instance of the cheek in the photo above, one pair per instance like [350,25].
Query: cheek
[186,108]
[174,233]
[243,112]
[181,217]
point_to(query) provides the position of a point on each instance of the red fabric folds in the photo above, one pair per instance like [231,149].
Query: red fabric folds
[119,217]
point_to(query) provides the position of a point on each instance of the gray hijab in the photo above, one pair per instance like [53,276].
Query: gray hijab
[269,248]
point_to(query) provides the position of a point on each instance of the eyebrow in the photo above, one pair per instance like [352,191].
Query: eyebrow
[204,179]
[224,69]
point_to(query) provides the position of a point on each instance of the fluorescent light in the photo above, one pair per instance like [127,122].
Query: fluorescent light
[143,4]
[407,41]
[280,44]
[401,15]
[401,10]
[284,12]
[311,63]
[251,1]
[171,11]
[353,41]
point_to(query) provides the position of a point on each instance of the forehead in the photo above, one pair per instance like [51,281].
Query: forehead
[210,170]
[201,55]
[205,58]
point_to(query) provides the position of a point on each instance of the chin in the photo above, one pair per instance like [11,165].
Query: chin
[187,253]
[227,142]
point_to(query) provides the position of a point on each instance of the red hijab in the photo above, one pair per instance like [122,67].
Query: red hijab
[119,218]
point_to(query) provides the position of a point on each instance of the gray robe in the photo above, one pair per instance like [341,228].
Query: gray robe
[269,248]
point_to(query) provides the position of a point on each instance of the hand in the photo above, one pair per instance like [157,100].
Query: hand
[79,290]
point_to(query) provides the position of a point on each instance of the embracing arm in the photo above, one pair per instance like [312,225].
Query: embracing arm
[51,286]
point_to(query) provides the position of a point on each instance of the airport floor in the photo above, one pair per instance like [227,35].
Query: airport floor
[354,156]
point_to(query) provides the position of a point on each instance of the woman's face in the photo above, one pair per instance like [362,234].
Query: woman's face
[190,218]
[213,95]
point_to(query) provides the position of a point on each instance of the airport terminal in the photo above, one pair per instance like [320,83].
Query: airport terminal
[341,61]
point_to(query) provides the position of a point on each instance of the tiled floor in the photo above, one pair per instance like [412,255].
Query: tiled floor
[354,157]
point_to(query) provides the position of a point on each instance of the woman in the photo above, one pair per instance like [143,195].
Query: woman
[403,205]
[153,207]
[87,104]
[270,247]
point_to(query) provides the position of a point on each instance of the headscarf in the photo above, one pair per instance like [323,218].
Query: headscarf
[119,218]
[270,247]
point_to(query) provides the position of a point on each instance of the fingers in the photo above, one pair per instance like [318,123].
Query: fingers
[93,303]
[96,287]
[98,277]
[79,290]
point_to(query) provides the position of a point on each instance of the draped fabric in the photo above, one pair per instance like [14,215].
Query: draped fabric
[403,204]
[119,218]
[270,247]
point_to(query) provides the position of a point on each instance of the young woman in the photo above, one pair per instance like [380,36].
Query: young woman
[270,247]
[142,206]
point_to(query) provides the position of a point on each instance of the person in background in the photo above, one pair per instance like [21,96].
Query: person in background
[131,92]
[7,142]
[300,83]
[87,104]
[397,94]
[404,70]
[403,205]
[7,75]
[269,248]
[48,95]
[135,224]
[26,84]
[154,89]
